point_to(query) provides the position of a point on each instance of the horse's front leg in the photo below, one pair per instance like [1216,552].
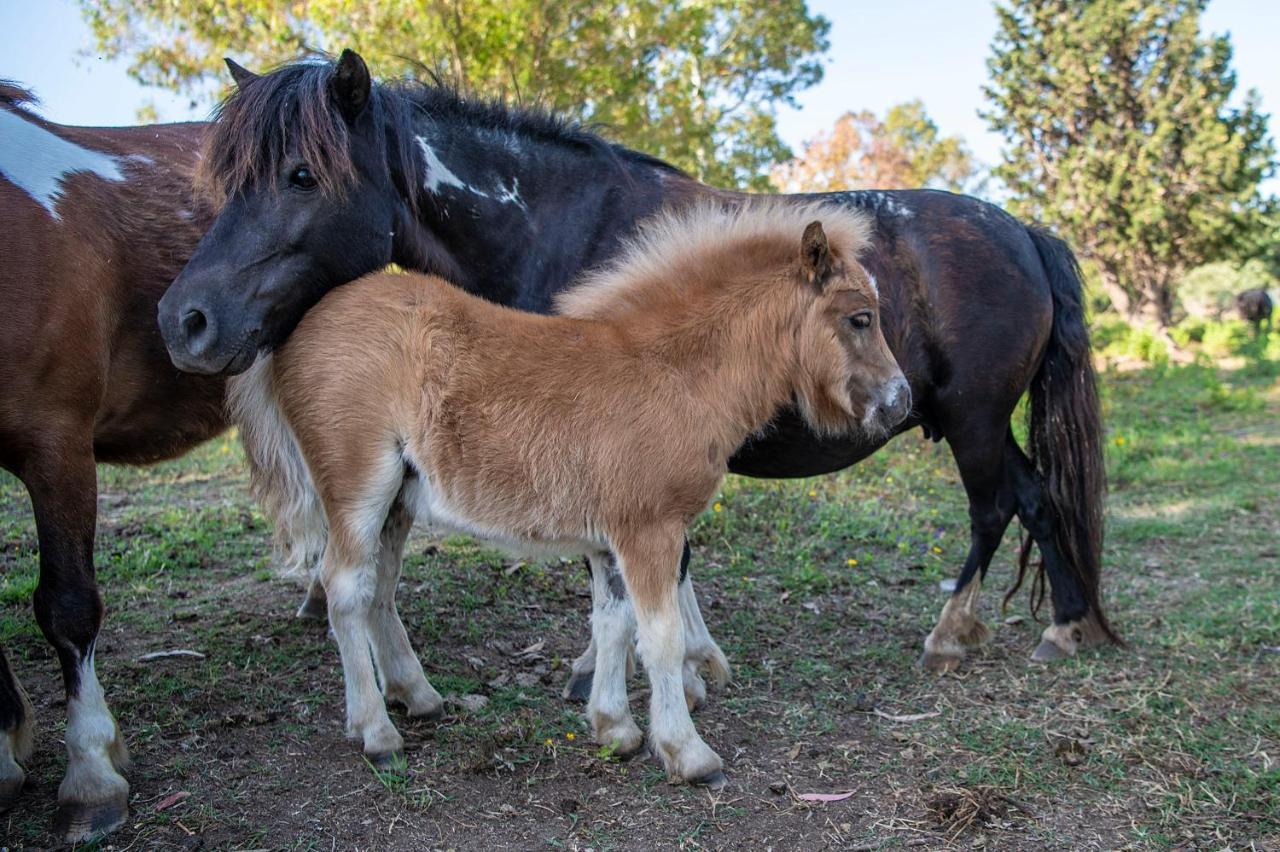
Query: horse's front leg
[93,798]
[650,562]
[17,734]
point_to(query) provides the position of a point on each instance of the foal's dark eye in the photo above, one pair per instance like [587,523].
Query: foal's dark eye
[862,319]
[301,178]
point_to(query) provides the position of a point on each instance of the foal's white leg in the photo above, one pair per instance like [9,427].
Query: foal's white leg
[700,649]
[651,581]
[403,680]
[612,632]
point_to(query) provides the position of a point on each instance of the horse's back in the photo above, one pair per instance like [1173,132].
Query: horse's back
[98,222]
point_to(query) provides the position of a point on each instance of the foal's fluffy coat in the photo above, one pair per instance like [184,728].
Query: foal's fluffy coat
[603,431]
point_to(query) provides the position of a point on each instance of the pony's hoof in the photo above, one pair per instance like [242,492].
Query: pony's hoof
[82,822]
[579,687]
[385,760]
[939,664]
[11,791]
[1048,652]
[712,781]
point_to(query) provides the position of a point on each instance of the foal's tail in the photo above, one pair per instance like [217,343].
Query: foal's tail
[1066,430]
[277,472]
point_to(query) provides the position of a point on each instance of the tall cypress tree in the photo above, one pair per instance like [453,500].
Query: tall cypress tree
[1120,132]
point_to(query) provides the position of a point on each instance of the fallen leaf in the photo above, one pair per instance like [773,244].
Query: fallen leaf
[823,797]
[171,800]
[532,649]
[176,652]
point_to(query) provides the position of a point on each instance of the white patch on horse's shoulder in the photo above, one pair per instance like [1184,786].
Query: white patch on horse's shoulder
[39,161]
[512,195]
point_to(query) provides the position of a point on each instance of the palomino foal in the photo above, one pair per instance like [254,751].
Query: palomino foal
[604,431]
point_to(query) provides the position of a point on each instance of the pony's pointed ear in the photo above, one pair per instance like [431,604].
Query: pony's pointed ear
[351,84]
[239,73]
[815,256]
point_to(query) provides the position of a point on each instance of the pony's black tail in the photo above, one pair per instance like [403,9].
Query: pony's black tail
[1065,425]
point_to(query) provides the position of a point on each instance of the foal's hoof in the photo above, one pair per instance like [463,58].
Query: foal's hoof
[81,822]
[939,664]
[579,687]
[712,781]
[384,761]
[11,791]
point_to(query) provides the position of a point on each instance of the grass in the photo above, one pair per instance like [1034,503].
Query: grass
[821,592]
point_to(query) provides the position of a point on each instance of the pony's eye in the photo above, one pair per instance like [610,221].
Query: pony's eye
[301,178]
[862,319]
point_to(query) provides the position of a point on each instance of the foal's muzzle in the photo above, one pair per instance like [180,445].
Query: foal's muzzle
[891,407]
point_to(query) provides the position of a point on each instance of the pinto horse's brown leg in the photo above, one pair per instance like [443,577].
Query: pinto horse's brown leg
[17,732]
[62,482]
[991,507]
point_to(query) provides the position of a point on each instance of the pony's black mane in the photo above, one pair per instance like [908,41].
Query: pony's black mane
[288,113]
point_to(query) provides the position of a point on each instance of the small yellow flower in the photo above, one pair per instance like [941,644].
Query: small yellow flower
[813,493]
[549,742]
[1120,440]
[889,479]
[570,736]
[851,562]
[717,508]
[224,449]
[937,549]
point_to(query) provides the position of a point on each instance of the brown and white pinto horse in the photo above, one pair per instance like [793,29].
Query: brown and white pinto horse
[96,224]
[604,431]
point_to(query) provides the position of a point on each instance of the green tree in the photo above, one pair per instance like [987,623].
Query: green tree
[1120,131]
[694,81]
[904,151]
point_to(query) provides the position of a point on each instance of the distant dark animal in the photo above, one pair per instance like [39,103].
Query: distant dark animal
[603,431]
[96,222]
[1255,306]
[323,176]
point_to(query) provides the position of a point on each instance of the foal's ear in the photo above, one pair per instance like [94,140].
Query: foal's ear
[815,256]
[239,73]
[351,85]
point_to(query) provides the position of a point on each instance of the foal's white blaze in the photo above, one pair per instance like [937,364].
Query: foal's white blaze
[39,161]
[95,750]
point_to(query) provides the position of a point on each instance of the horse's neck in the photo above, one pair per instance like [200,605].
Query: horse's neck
[522,218]
[737,364]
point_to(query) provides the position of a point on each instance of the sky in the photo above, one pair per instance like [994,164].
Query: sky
[881,54]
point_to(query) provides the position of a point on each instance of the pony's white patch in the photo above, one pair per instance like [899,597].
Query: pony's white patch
[439,176]
[39,161]
[875,285]
[91,740]
[880,202]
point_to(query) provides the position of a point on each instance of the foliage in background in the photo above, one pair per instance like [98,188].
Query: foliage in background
[1119,131]
[903,151]
[696,83]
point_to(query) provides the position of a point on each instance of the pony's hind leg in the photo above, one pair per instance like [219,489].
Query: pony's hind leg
[17,734]
[650,568]
[403,680]
[701,652]
[1074,625]
[991,507]
[612,633]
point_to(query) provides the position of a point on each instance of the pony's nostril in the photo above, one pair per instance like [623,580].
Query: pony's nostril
[196,330]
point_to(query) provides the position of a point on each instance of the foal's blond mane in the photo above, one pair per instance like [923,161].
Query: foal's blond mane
[674,249]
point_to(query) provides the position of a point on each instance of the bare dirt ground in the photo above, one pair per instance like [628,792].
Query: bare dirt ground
[821,593]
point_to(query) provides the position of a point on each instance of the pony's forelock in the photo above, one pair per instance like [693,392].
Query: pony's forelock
[268,123]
